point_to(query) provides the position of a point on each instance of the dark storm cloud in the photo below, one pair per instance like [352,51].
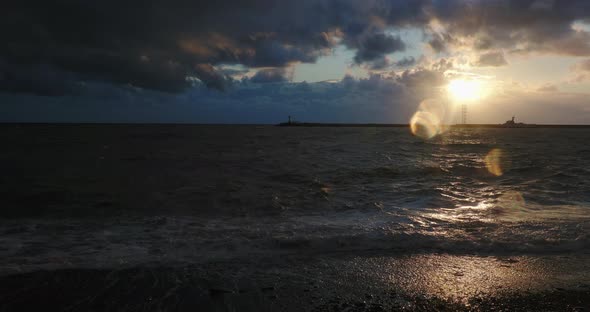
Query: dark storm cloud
[36,79]
[211,77]
[382,63]
[439,42]
[157,45]
[161,45]
[518,25]
[373,99]
[269,75]
[422,78]
[376,46]
[406,62]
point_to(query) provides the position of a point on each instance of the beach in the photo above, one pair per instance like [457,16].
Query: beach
[366,282]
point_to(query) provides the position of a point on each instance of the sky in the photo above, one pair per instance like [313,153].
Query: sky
[259,61]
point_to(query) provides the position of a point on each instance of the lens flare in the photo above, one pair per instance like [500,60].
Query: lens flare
[429,119]
[425,125]
[497,162]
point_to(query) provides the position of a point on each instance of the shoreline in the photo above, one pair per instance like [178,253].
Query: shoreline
[301,124]
[360,282]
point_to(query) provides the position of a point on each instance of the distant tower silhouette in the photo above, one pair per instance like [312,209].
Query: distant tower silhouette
[289,118]
[464,114]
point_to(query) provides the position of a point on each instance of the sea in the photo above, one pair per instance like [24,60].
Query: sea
[112,196]
[147,217]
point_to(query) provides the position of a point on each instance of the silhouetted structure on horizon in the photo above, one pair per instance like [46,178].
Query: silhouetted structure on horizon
[513,124]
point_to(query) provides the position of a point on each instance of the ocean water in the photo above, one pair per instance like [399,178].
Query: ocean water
[104,196]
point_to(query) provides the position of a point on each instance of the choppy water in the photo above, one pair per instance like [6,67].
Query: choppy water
[102,196]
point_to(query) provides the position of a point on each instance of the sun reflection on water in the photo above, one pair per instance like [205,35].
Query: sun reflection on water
[477,213]
[510,206]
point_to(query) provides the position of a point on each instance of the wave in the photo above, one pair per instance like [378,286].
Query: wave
[424,242]
[169,240]
[375,172]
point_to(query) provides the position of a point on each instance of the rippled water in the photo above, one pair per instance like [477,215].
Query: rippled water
[109,195]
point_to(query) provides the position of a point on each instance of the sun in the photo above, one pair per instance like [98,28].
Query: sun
[463,90]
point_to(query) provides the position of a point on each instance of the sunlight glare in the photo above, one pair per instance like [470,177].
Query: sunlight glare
[511,206]
[463,90]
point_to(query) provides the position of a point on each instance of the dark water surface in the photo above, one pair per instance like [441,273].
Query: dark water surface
[106,197]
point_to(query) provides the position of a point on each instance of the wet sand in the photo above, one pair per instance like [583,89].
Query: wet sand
[337,282]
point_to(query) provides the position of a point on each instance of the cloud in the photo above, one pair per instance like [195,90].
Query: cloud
[377,98]
[428,80]
[168,43]
[583,66]
[548,88]
[376,46]
[386,98]
[517,26]
[581,71]
[490,59]
[211,77]
[440,42]
[542,4]
[406,62]
[233,72]
[270,75]
[380,64]
[40,79]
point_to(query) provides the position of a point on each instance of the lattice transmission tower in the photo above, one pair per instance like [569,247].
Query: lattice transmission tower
[464,114]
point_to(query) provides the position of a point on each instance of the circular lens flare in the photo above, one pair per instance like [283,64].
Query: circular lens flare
[429,119]
[425,125]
